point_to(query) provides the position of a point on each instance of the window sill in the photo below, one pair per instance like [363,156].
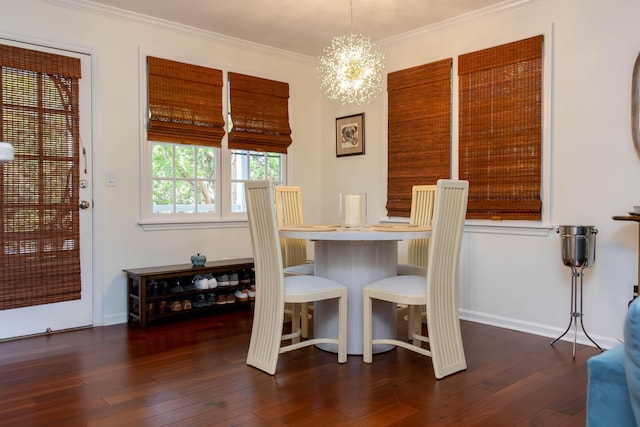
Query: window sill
[521,228]
[190,225]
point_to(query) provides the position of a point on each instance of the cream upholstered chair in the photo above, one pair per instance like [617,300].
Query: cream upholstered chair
[273,289]
[438,291]
[423,201]
[294,251]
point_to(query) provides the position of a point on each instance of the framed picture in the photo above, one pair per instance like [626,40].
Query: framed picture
[350,135]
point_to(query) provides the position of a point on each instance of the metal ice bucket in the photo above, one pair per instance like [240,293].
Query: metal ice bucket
[578,245]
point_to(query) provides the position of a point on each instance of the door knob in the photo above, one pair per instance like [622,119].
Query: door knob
[84,204]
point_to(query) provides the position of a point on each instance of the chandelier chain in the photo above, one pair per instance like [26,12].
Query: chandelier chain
[351,3]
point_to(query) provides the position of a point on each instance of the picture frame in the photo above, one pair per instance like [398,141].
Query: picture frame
[350,135]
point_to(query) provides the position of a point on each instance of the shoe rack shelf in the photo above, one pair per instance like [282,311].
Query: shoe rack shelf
[150,293]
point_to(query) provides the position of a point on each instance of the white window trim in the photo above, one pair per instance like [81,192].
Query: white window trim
[527,228]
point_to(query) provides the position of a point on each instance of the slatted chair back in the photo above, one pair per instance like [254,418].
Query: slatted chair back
[423,201]
[289,212]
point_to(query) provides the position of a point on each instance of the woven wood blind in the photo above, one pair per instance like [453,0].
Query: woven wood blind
[39,229]
[419,131]
[500,150]
[259,113]
[185,103]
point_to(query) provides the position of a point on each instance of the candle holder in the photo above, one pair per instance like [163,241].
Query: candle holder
[353,210]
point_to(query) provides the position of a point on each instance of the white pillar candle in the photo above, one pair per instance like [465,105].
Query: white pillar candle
[352,210]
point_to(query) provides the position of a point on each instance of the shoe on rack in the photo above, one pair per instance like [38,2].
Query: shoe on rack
[200,282]
[230,298]
[212,300]
[162,307]
[163,288]
[201,301]
[176,288]
[233,279]
[220,299]
[245,277]
[242,295]
[186,304]
[175,306]
[223,280]
[212,282]
[252,293]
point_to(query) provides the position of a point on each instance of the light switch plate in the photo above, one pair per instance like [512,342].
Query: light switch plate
[111,179]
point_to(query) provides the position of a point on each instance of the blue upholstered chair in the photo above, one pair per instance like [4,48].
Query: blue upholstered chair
[613,397]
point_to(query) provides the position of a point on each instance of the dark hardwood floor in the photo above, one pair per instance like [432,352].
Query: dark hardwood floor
[193,373]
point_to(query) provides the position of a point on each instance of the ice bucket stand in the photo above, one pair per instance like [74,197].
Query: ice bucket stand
[578,252]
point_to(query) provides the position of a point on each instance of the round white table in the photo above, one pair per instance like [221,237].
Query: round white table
[355,259]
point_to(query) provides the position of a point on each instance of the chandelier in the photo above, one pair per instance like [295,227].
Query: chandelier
[351,68]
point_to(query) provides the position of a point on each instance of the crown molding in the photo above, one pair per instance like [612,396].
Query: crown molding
[139,18]
[505,6]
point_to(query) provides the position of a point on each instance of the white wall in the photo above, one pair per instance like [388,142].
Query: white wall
[519,281]
[115,43]
[516,281]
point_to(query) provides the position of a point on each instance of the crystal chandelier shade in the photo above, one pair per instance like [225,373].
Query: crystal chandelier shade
[351,69]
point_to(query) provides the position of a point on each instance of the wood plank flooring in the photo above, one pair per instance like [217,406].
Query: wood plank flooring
[193,373]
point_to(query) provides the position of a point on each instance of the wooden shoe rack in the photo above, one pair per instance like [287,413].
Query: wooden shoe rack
[148,290]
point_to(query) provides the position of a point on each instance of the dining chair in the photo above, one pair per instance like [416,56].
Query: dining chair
[294,251]
[273,289]
[423,201]
[437,291]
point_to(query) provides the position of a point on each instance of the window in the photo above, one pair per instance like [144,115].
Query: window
[500,130]
[185,129]
[192,174]
[252,165]
[260,132]
[183,179]
[419,150]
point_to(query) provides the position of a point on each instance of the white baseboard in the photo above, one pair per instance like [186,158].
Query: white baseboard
[536,328]
[114,319]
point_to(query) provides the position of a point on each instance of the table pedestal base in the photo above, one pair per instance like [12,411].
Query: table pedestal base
[355,264]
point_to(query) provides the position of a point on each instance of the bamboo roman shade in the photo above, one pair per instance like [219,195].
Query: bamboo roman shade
[259,114]
[419,131]
[500,130]
[185,103]
[39,217]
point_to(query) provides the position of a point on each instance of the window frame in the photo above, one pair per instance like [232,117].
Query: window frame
[223,217]
[520,227]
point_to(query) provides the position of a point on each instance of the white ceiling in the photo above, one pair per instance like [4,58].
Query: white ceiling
[303,26]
